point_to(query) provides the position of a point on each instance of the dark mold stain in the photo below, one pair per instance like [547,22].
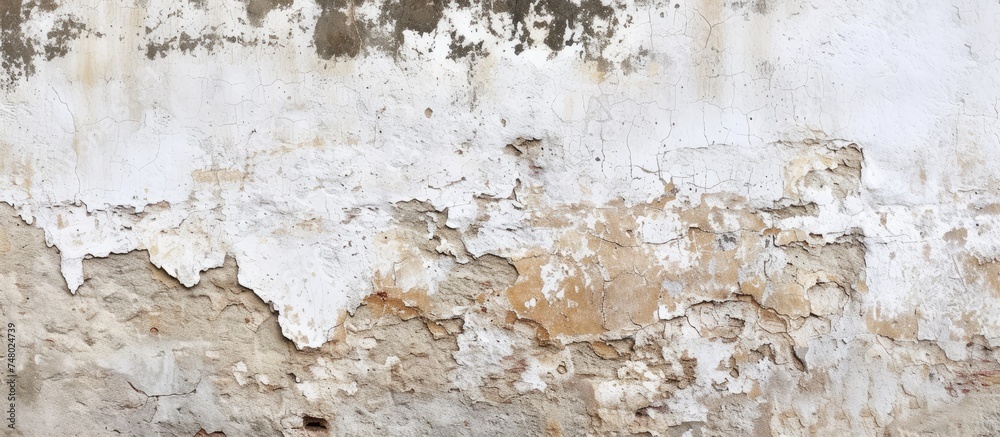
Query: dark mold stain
[257,10]
[760,7]
[459,48]
[337,34]
[159,45]
[565,17]
[47,5]
[421,16]
[16,52]
[636,61]
[159,49]
[189,44]
[343,30]
[64,31]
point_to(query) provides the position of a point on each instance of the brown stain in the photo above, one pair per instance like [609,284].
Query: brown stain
[715,275]
[340,33]
[189,44]
[561,19]
[788,299]
[956,236]
[409,264]
[759,43]
[754,286]
[381,303]
[86,70]
[631,301]
[16,169]
[416,298]
[553,429]
[604,350]
[17,51]
[587,26]
[407,250]
[814,269]
[900,327]
[987,209]
[257,10]
[533,328]
[218,176]
[623,275]
[461,48]
[62,33]
[707,48]
[715,219]
[420,16]
[619,285]
[982,274]
[579,312]
[970,323]
[337,33]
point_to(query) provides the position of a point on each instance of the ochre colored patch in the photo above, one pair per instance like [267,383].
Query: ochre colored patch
[900,327]
[981,273]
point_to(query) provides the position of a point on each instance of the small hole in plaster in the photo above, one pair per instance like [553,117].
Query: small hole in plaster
[428,112]
[314,423]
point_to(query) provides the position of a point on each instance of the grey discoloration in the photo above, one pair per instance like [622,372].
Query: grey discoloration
[46,5]
[759,6]
[588,26]
[188,44]
[159,49]
[420,16]
[342,31]
[459,48]
[62,33]
[16,52]
[565,15]
[257,10]
[636,62]
[337,34]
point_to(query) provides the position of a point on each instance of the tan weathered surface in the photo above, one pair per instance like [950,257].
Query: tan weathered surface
[504,217]
[135,353]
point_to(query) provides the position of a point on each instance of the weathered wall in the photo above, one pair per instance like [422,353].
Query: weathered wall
[405,217]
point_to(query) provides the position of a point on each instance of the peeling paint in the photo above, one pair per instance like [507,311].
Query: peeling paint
[533,217]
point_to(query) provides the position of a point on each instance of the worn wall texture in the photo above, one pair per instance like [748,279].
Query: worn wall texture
[501,217]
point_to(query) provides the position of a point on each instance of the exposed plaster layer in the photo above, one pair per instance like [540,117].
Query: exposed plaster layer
[134,352]
[292,162]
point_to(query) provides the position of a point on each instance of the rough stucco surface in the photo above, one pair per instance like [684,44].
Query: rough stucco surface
[537,217]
